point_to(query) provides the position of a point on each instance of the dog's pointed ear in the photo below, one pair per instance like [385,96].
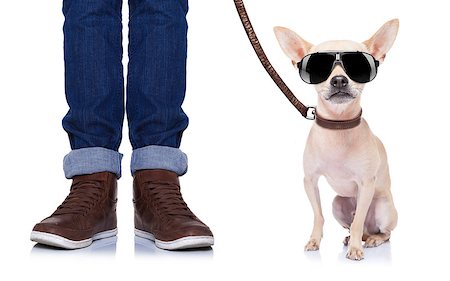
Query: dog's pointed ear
[292,45]
[380,43]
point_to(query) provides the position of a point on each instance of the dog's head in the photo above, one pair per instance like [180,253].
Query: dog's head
[338,87]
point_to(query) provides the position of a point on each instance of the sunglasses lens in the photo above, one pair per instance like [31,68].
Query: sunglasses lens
[316,68]
[360,67]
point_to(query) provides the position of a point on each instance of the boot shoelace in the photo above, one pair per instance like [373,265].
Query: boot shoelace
[82,197]
[168,199]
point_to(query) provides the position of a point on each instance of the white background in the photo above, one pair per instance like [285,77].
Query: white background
[245,144]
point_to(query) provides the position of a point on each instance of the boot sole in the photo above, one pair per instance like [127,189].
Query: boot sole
[64,243]
[189,242]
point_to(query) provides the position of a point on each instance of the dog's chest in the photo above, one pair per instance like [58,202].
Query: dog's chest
[341,177]
[340,161]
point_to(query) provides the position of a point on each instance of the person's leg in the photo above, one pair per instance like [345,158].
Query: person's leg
[155,92]
[94,91]
[157,83]
[94,85]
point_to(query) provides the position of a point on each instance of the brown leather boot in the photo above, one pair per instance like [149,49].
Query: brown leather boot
[88,213]
[161,215]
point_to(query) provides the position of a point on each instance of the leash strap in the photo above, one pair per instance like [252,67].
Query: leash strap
[307,112]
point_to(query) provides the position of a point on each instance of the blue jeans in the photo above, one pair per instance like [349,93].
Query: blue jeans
[156,84]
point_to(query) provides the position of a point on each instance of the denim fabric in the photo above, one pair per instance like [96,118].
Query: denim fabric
[156,72]
[156,82]
[159,157]
[93,73]
[92,160]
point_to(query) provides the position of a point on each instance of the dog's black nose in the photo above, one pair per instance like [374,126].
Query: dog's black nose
[339,81]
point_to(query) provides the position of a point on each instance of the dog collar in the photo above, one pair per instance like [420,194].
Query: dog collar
[338,124]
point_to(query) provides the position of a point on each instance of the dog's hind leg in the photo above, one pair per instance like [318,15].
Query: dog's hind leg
[344,211]
[381,220]
[376,240]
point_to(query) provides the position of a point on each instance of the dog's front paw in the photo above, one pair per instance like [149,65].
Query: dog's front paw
[355,253]
[312,245]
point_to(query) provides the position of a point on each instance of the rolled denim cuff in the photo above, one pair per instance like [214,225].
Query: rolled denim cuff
[159,157]
[91,160]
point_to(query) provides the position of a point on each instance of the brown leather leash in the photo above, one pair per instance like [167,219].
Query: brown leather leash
[309,112]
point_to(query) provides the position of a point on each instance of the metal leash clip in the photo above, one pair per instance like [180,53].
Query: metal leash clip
[311,113]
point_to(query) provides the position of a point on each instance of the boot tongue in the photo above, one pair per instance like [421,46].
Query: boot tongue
[99,177]
[83,196]
[169,200]
[164,188]
[157,176]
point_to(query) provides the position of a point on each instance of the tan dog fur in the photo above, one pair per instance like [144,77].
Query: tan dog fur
[353,161]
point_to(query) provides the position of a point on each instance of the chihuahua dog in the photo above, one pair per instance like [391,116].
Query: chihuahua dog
[351,158]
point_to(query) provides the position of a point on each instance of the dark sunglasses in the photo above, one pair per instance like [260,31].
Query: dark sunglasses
[360,67]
